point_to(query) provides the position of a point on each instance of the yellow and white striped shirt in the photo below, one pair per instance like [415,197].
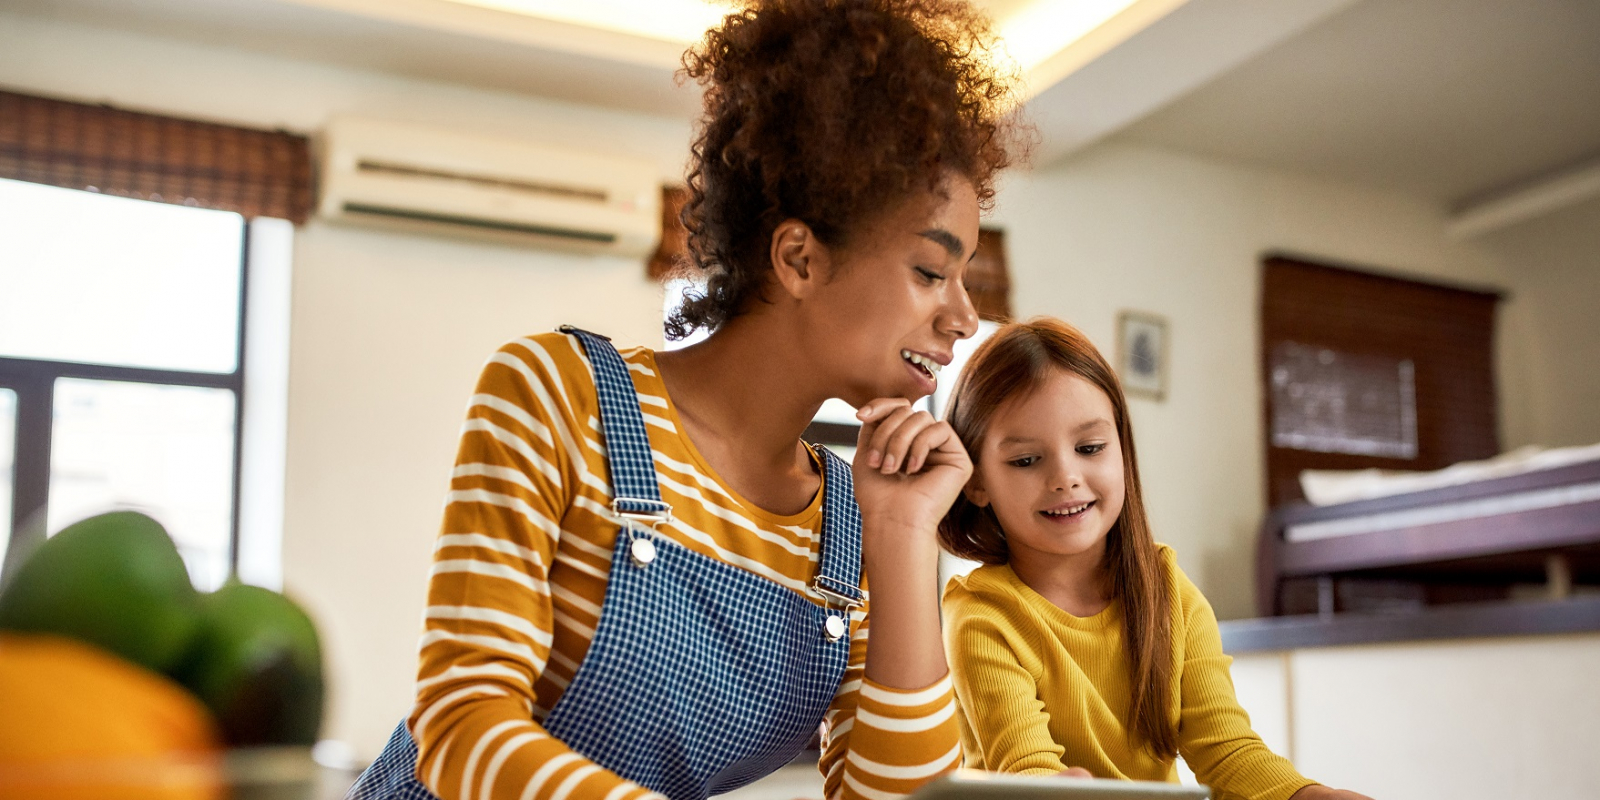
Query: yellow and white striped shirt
[520,572]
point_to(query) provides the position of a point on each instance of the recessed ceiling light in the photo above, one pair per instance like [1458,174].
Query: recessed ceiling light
[1043,28]
[681,21]
[1031,32]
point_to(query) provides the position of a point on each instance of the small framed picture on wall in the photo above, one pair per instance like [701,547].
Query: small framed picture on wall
[1142,350]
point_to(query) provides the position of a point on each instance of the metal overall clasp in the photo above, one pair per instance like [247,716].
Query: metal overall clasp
[837,624]
[640,518]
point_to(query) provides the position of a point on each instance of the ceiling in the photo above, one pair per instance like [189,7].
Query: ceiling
[1091,66]
[598,52]
[1453,100]
[428,39]
[1448,99]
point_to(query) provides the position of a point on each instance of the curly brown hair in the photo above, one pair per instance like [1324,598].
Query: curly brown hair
[829,112]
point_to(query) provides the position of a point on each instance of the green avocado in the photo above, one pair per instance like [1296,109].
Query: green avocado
[115,581]
[257,664]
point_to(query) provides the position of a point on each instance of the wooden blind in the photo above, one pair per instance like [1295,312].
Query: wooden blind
[1362,370]
[151,157]
[987,280]
[673,250]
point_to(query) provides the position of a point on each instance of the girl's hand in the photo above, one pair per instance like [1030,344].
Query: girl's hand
[1075,772]
[909,467]
[1319,792]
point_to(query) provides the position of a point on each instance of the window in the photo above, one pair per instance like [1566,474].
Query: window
[165,449]
[124,357]
[121,347]
[109,280]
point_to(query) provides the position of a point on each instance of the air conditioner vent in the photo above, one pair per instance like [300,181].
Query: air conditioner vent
[461,184]
[486,224]
[389,168]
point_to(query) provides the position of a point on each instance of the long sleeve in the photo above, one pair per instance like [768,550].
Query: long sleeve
[883,742]
[1215,737]
[993,685]
[1041,689]
[491,611]
[519,586]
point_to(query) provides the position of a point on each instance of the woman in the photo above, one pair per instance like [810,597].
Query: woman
[645,581]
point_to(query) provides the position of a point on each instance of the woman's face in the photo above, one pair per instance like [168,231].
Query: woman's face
[1050,465]
[894,305]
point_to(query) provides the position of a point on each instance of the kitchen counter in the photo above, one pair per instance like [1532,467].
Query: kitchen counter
[1459,621]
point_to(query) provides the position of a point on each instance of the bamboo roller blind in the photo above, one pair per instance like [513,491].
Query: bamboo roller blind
[151,157]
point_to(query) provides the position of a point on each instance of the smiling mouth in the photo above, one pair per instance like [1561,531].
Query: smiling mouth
[928,366]
[1069,512]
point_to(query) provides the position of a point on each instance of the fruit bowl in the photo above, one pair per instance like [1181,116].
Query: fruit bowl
[274,773]
[252,773]
[121,682]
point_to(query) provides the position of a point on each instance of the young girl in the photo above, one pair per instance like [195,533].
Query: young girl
[1080,644]
[646,584]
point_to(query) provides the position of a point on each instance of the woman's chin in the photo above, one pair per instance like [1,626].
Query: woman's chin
[902,391]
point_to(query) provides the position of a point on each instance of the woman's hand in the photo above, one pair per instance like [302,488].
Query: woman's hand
[909,467]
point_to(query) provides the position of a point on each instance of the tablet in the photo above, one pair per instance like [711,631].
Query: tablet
[977,785]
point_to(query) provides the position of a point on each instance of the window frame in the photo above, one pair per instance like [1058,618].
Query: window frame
[34,382]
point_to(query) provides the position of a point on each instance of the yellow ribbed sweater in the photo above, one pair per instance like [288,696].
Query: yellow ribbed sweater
[1039,690]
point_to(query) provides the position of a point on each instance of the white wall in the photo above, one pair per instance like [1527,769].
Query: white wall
[1553,265]
[389,334]
[1129,227]
[388,330]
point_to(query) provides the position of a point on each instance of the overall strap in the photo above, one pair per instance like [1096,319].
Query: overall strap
[839,569]
[634,493]
[637,497]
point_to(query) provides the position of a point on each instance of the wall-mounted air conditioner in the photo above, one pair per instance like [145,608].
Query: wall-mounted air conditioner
[467,185]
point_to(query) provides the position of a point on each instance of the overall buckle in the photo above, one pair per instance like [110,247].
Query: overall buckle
[836,625]
[650,512]
[835,599]
[842,595]
[635,513]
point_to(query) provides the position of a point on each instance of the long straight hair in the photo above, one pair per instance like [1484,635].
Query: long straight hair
[1017,360]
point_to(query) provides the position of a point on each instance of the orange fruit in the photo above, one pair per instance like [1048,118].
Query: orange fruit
[82,724]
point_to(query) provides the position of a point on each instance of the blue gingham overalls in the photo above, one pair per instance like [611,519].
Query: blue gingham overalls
[701,677]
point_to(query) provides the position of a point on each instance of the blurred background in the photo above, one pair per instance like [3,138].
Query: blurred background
[1330,235]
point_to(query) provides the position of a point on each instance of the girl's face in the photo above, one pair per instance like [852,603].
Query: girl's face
[895,298]
[1050,465]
